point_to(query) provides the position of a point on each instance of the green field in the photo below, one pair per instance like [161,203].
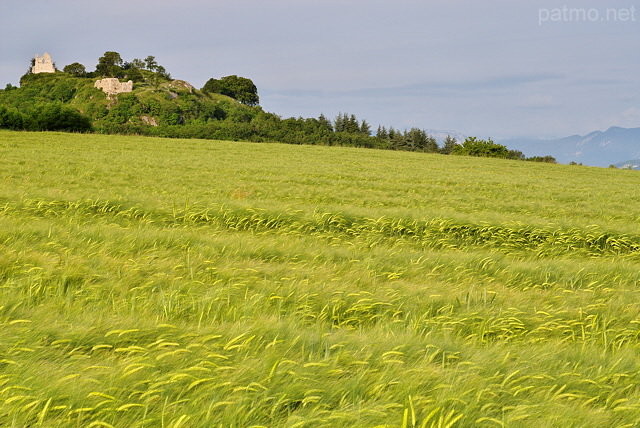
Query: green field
[187,283]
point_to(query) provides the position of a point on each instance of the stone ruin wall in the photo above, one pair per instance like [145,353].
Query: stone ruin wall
[113,86]
[43,64]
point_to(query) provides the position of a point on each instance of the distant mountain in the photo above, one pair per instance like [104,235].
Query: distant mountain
[596,149]
[631,164]
[440,135]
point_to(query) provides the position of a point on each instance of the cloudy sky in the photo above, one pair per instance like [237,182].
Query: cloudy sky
[494,68]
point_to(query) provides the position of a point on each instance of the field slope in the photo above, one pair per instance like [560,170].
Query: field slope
[187,283]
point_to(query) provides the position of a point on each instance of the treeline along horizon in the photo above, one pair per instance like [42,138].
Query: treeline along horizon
[224,109]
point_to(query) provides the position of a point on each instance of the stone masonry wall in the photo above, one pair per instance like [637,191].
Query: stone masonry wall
[113,86]
[43,64]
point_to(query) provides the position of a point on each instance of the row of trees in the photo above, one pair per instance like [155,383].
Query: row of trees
[44,117]
[229,122]
[111,64]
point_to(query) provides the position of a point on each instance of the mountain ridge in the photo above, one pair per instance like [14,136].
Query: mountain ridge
[597,148]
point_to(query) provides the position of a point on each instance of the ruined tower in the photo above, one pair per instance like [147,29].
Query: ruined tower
[43,64]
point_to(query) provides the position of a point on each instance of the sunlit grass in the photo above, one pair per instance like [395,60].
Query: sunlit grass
[149,282]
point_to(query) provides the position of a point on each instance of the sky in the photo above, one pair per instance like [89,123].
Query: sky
[491,69]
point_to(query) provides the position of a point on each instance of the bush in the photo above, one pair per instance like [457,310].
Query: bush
[485,148]
[11,119]
[54,117]
[239,88]
[547,159]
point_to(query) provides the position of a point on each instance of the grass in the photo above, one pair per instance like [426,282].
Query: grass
[184,283]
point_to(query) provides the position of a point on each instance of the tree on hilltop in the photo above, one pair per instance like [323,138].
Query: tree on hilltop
[238,88]
[138,63]
[151,63]
[110,64]
[76,69]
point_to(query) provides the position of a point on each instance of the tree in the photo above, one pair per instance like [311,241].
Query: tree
[151,63]
[138,63]
[515,155]
[365,129]
[486,148]
[450,143]
[133,73]
[162,72]
[325,123]
[76,69]
[55,117]
[11,119]
[352,124]
[546,159]
[338,123]
[213,86]
[382,133]
[109,65]
[238,88]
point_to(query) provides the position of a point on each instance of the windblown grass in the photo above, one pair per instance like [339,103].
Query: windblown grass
[148,282]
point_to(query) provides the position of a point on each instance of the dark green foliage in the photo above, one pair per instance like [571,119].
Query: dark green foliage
[449,144]
[11,119]
[109,65]
[131,72]
[126,107]
[151,63]
[547,159]
[325,123]
[138,63]
[348,123]
[486,148]
[45,117]
[417,140]
[414,139]
[238,88]
[75,69]
[515,155]
[162,72]
[54,117]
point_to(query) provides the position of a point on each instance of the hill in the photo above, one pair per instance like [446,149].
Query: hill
[160,106]
[223,109]
[208,283]
[155,101]
[597,148]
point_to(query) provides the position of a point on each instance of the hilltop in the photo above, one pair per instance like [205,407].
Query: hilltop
[225,108]
[154,102]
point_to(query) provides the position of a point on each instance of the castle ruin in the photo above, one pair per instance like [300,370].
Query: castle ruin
[113,86]
[43,64]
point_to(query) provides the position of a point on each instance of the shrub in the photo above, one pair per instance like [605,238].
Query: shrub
[54,117]
[485,148]
[11,119]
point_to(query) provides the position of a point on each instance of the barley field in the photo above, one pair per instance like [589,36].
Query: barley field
[186,283]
